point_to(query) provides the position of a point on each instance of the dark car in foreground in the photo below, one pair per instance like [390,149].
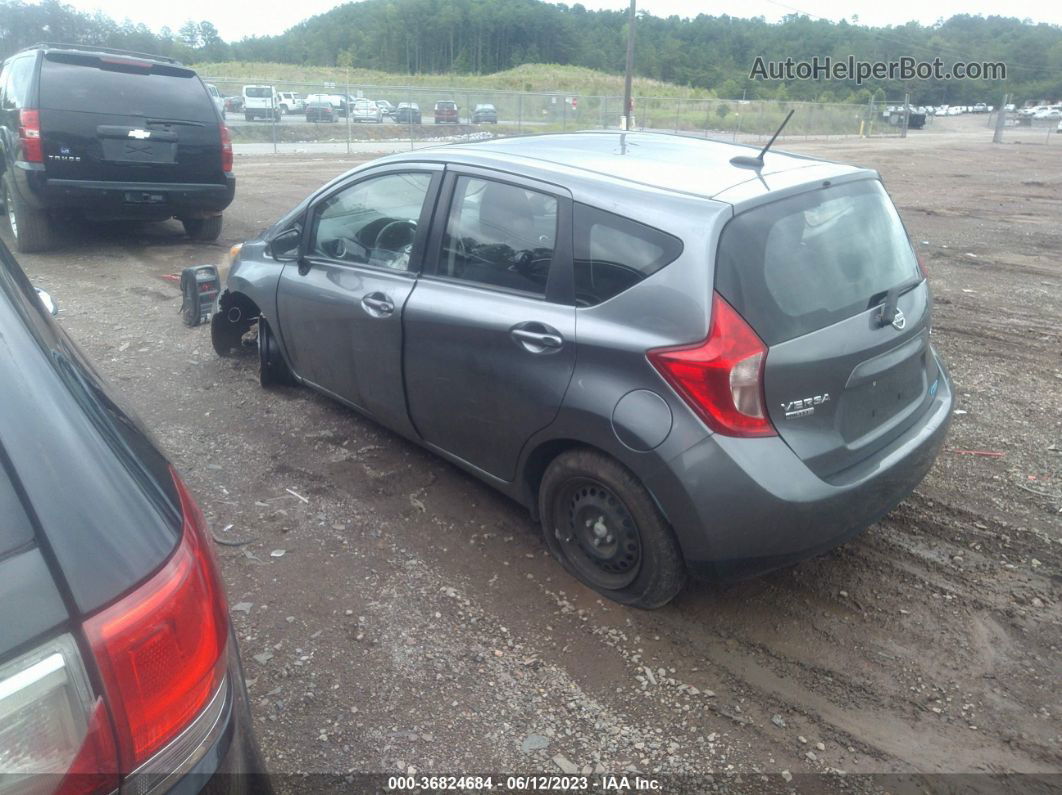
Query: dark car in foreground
[407,113]
[679,357]
[446,112]
[119,668]
[320,111]
[109,135]
[485,114]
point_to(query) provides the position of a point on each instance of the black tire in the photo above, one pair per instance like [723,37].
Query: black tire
[203,229]
[272,369]
[31,229]
[638,562]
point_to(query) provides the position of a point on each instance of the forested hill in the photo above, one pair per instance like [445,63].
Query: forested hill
[483,36]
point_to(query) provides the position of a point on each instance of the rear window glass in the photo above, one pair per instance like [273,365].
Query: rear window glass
[87,85]
[801,264]
[613,253]
[258,92]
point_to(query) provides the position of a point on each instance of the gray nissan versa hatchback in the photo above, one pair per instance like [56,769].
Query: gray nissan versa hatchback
[677,360]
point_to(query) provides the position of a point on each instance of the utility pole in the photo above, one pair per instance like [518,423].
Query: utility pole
[627,119]
[1001,119]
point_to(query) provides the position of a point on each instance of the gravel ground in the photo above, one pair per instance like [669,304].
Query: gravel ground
[395,614]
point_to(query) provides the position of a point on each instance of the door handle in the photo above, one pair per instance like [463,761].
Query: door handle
[537,337]
[378,305]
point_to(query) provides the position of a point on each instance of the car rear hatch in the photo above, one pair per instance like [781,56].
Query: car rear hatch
[121,119]
[829,281]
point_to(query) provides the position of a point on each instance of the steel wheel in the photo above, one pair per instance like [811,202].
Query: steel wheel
[597,534]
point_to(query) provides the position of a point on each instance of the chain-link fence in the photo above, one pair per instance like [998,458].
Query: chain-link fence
[269,115]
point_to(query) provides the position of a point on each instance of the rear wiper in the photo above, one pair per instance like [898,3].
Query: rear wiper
[889,307]
[174,122]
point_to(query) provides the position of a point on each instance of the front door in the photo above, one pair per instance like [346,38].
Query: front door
[340,307]
[490,327]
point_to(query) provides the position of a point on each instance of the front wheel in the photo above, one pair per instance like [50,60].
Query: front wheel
[605,529]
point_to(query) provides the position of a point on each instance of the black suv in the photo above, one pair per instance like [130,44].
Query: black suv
[109,135]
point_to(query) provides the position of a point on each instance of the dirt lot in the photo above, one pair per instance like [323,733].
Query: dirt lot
[415,619]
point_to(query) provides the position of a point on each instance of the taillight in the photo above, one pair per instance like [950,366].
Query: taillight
[50,724]
[226,149]
[29,136]
[721,378]
[161,650]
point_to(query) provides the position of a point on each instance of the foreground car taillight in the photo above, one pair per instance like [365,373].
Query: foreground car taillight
[721,378]
[29,136]
[161,650]
[226,149]
[50,724]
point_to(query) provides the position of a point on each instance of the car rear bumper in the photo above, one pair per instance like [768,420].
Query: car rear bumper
[120,200]
[742,507]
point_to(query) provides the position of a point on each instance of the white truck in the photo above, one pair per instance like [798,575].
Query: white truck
[261,102]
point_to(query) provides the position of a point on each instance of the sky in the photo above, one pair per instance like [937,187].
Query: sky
[236,19]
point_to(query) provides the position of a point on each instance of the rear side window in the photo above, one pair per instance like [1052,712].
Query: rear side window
[15,86]
[800,264]
[89,85]
[613,253]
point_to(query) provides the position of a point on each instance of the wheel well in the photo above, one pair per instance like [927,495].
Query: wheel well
[539,460]
[247,307]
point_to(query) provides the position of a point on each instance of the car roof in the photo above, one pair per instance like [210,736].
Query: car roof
[675,163]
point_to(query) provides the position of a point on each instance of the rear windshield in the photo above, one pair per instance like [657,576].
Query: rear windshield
[86,84]
[258,92]
[798,265]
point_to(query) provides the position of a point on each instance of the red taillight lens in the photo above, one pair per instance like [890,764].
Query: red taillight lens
[162,649]
[226,149]
[29,136]
[721,378]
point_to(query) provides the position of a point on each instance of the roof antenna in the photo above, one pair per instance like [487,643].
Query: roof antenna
[744,161]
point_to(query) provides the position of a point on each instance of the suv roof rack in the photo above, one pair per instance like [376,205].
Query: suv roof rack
[90,48]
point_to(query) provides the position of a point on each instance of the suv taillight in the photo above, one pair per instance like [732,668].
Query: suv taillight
[162,650]
[29,136]
[721,378]
[226,149]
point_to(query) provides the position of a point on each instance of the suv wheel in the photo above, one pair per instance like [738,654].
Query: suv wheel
[31,229]
[605,529]
[203,229]
[272,369]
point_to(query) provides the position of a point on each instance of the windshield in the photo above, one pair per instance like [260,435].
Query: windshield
[800,264]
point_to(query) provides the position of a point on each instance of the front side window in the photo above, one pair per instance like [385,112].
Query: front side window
[500,235]
[613,253]
[373,222]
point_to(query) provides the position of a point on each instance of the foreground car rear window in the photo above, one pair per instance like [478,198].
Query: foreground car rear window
[800,264]
[87,85]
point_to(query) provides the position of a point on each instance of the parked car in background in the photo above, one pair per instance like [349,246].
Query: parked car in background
[980,107]
[337,101]
[485,114]
[219,101]
[320,111]
[290,102]
[233,104]
[119,666]
[446,111]
[365,110]
[724,414]
[108,135]
[1049,112]
[386,108]
[407,113]
[260,102]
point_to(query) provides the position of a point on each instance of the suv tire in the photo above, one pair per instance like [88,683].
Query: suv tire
[32,229]
[203,229]
[587,498]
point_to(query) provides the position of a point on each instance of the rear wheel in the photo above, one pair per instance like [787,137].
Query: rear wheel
[605,529]
[203,229]
[272,369]
[32,229]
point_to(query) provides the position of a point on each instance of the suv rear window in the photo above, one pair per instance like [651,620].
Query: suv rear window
[613,253]
[89,85]
[800,264]
[258,92]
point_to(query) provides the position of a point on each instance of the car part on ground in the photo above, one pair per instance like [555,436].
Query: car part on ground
[200,286]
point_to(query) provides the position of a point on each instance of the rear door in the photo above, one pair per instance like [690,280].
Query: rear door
[490,327]
[812,275]
[120,119]
[340,308]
